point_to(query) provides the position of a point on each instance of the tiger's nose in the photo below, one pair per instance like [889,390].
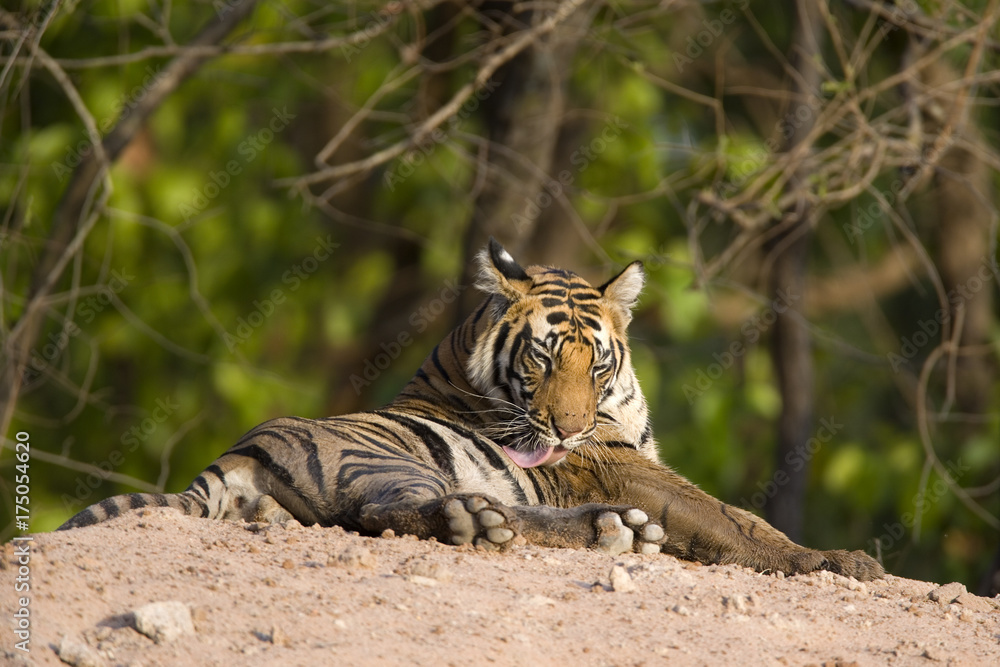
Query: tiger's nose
[566,435]
[569,425]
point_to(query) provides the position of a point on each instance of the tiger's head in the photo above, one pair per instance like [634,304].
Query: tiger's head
[556,356]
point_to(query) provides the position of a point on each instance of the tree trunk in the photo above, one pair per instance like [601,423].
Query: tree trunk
[791,351]
[524,114]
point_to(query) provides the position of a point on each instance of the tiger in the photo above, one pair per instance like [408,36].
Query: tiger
[525,425]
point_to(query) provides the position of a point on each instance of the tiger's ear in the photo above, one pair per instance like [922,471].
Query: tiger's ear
[500,274]
[623,290]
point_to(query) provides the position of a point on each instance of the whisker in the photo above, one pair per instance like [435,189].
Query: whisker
[514,406]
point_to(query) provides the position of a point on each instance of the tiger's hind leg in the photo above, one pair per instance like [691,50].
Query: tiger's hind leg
[269,510]
[481,520]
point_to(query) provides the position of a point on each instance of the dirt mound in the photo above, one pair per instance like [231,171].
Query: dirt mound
[214,593]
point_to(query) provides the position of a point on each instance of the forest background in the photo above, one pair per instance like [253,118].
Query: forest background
[215,213]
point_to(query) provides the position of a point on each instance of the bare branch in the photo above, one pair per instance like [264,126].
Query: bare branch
[518,43]
[87,192]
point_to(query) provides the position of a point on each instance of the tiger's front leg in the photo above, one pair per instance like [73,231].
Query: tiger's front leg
[698,526]
[469,518]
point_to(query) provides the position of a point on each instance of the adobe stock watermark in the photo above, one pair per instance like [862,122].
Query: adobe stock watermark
[120,110]
[223,7]
[248,150]
[379,20]
[86,310]
[698,42]
[581,158]
[33,19]
[900,11]
[756,159]
[910,346]
[130,441]
[419,320]
[292,279]
[875,211]
[796,460]
[416,156]
[751,331]
[922,502]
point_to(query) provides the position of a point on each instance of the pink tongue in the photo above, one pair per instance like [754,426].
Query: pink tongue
[528,459]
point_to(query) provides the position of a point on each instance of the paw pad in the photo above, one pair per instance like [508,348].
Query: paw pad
[472,521]
[630,530]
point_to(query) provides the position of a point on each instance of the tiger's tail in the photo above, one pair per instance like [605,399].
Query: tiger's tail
[109,508]
[204,498]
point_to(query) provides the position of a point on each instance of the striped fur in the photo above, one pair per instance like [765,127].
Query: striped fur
[525,420]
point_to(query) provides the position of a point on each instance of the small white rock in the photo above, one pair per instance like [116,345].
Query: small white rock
[736,603]
[78,654]
[621,580]
[945,595]
[354,557]
[164,621]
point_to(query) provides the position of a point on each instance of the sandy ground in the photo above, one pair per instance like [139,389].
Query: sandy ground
[289,595]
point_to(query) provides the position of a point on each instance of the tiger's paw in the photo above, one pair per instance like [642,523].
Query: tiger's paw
[855,564]
[478,520]
[627,530]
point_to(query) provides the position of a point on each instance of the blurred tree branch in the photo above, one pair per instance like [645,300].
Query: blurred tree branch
[88,191]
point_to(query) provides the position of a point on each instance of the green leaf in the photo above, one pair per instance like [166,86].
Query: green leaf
[844,468]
